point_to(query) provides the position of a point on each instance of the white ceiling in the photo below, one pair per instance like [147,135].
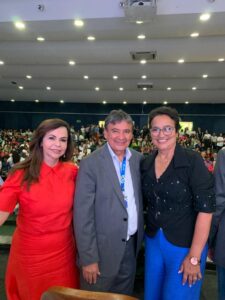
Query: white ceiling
[167,33]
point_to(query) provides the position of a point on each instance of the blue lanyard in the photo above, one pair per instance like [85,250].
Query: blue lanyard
[122,179]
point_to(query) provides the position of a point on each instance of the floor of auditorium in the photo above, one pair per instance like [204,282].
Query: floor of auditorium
[209,290]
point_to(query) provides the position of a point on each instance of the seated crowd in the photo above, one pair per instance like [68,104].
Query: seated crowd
[14,144]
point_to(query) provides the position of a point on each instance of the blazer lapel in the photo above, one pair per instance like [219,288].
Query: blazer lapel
[135,179]
[110,172]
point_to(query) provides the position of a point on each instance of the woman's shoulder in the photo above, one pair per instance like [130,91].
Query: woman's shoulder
[189,153]
[148,160]
[70,166]
[15,177]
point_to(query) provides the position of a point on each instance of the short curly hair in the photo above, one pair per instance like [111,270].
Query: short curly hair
[165,110]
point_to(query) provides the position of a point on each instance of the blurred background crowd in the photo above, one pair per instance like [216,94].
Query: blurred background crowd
[14,144]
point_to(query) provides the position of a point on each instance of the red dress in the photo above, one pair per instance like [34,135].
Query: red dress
[43,251]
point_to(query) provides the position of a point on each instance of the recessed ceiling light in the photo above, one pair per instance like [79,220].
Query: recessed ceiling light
[165,102]
[28,76]
[169,88]
[104,102]
[48,88]
[186,102]
[12,100]
[72,62]
[204,17]
[1,62]
[78,23]
[121,88]
[143,61]
[91,38]
[143,76]
[144,89]
[40,39]
[194,88]
[144,102]
[221,59]
[97,88]
[20,87]
[194,34]
[205,75]
[61,101]
[141,36]
[180,61]
[36,100]
[20,25]
[139,22]
[86,76]
[115,77]
[124,102]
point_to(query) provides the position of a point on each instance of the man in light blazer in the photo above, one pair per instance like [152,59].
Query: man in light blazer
[217,234]
[108,210]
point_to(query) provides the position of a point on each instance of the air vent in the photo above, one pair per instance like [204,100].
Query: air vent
[147,85]
[147,55]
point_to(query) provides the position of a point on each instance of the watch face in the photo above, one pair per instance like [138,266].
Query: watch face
[194,261]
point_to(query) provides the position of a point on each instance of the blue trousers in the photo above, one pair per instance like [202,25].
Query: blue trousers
[221,282]
[162,263]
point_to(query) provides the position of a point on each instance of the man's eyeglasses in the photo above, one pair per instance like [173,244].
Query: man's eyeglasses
[167,130]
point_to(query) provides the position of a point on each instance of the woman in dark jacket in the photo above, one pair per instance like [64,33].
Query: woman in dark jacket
[179,199]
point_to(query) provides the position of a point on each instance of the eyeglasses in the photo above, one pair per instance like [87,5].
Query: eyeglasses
[167,130]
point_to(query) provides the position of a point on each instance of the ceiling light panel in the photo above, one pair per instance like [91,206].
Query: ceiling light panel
[141,36]
[20,25]
[79,23]
[72,62]
[194,34]
[40,39]
[91,38]
[204,17]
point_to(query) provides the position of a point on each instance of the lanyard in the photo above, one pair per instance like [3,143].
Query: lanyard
[122,179]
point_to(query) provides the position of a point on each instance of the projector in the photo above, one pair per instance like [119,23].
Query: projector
[141,3]
[143,10]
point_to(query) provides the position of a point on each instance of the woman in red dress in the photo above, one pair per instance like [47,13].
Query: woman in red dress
[43,251]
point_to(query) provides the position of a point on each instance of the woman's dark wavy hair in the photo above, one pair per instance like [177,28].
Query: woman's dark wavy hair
[165,110]
[32,164]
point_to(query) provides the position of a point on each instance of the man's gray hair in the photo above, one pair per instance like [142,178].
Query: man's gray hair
[117,116]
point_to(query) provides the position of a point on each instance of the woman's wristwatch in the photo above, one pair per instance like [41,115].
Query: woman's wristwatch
[194,261]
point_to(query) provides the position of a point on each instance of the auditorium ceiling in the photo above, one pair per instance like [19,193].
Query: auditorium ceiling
[51,59]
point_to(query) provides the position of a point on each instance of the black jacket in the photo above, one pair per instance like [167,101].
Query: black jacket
[173,201]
